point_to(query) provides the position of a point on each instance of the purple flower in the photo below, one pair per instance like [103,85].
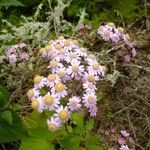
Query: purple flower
[127,58]
[124,133]
[80,26]
[22,45]
[23,56]
[121,141]
[134,52]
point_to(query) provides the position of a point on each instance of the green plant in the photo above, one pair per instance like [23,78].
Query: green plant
[77,134]
[11,126]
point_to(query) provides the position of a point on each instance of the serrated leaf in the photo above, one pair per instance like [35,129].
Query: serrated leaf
[89,125]
[11,3]
[3,97]
[12,132]
[6,115]
[36,144]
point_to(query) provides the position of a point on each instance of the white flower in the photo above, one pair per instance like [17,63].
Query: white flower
[38,104]
[72,56]
[96,68]
[59,90]
[89,87]
[52,79]
[89,100]
[62,74]
[54,65]
[53,124]
[39,82]
[51,101]
[75,69]
[62,113]
[33,93]
[74,103]
[124,147]
[90,77]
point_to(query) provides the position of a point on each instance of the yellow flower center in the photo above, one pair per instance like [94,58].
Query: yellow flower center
[48,48]
[53,64]
[67,42]
[72,55]
[92,56]
[62,74]
[95,66]
[111,24]
[30,93]
[41,50]
[62,51]
[58,46]
[37,79]
[53,56]
[121,29]
[59,87]
[91,78]
[75,42]
[49,100]
[52,77]
[75,68]
[60,38]
[91,99]
[35,104]
[50,42]
[128,36]
[52,127]
[106,33]
[74,103]
[63,115]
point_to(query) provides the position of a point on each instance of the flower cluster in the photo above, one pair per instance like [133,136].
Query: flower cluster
[116,35]
[123,139]
[71,83]
[16,53]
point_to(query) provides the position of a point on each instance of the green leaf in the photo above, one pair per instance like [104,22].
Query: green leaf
[70,143]
[12,132]
[7,116]
[89,124]
[94,147]
[3,97]
[78,119]
[36,144]
[11,3]
[35,119]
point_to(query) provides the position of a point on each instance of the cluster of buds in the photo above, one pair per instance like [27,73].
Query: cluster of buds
[123,139]
[16,53]
[116,35]
[70,85]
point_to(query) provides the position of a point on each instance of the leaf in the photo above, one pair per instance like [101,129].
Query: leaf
[89,124]
[11,3]
[7,116]
[94,147]
[36,144]
[3,96]
[35,119]
[78,119]
[12,132]
[71,143]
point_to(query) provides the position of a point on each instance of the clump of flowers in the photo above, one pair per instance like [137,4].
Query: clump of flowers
[116,35]
[70,85]
[16,53]
[122,140]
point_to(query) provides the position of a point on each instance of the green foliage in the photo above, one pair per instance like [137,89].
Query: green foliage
[11,132]
[11,126]
[76,135]
[10,3]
